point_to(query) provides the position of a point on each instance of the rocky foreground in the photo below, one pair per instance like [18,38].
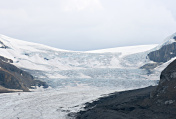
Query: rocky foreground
[147,103]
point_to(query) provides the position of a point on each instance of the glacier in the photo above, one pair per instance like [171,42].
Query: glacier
[75,77]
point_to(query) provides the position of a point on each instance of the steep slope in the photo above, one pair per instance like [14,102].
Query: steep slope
[166,90]
[12,77]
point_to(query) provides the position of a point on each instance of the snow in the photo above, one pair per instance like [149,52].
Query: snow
[169,40]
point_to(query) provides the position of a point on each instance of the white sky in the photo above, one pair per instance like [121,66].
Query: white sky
[88,24]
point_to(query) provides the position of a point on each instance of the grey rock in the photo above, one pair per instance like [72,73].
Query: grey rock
[164,54]
[12,77]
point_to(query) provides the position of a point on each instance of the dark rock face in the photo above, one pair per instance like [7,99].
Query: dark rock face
[6,60]
[147,103]
[122,105]
[174,37]
[166,90]
[8,80]
[164,54]
[12,77]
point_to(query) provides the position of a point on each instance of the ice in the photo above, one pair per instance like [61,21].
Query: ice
[74,77]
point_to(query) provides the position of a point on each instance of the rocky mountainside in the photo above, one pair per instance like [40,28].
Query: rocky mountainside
[166,90]
[12,77]
[147,103]
[165,52]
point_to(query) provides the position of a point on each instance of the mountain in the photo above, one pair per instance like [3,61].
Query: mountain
[166,51]
[14,79]
[147,103]
[60,67]
[57,66]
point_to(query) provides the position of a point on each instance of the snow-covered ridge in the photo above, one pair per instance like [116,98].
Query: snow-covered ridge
[40,57]
[14,43]
[169,40]
[19,44]
[127,50]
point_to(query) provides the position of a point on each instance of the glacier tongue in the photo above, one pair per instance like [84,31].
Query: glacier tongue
[75,77]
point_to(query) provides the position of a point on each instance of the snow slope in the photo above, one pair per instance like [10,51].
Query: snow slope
[57,63]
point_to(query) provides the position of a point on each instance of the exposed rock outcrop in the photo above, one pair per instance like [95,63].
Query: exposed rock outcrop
[12,77]
[2,45]
[3,59]
[164,54]
[166,90]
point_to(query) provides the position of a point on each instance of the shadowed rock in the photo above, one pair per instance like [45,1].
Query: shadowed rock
[12,77]
[166,90]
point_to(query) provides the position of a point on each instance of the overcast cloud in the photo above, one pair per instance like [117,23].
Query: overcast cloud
[88,24]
